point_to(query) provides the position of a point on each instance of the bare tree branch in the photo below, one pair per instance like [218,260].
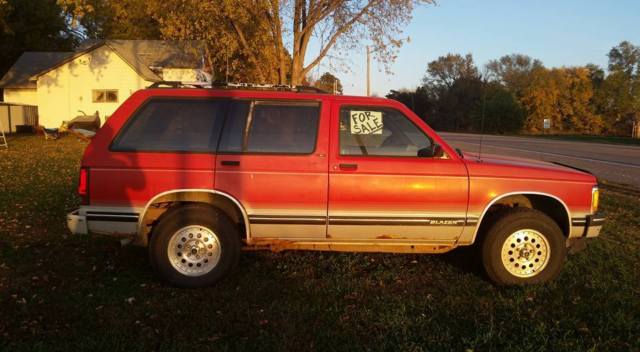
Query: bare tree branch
[334,38]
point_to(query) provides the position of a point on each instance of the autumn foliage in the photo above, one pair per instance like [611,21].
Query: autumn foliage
[517,94]
[262,41]
[562,95]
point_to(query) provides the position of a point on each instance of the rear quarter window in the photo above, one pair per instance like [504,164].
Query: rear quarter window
[271,128]
[178,125]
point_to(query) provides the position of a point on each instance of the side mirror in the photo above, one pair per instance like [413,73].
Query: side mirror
[435,150]
[438,152]
[425,152]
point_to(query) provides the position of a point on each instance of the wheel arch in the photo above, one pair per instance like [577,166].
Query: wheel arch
[221,200]
[551,205]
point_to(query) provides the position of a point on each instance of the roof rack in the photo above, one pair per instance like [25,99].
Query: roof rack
[230,85]
[178,84]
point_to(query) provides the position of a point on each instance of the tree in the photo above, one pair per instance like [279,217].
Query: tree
[447,70]
[596,73]
[340,24]
[618,96]
[625,58]
[618,100]
[575,103]
[274,35]
[238,47]
[455,85]
[562,95]
[108,19]
[35,25]
[454,106]
[512,71]
[4,12]
[417,100]
[500,110]
[328,82]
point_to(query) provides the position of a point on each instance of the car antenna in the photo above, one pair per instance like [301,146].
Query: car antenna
[484,104]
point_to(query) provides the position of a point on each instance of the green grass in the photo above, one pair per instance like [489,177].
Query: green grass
[60,292]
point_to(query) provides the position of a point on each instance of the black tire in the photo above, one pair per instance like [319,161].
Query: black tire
[509,222]
[194,215]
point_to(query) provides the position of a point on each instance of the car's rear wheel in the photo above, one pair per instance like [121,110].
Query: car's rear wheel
[194,245]
[523,246]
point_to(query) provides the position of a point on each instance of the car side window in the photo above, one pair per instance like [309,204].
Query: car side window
[182,125]
[374,131]
[234,127]
[271,127]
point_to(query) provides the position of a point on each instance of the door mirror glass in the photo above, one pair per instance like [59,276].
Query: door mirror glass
[433,151]
[425,152]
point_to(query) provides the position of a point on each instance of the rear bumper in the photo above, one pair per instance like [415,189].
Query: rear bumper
[77,223]
[112,221]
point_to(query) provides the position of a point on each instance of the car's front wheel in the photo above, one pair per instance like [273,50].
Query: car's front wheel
[194,245]
[523,246]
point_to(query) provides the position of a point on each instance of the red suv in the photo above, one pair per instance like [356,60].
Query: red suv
[197,174]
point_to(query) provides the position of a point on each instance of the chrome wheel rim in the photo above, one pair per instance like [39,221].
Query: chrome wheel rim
[525,253]
[194,250]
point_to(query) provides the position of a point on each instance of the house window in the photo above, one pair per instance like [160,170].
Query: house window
[105,96]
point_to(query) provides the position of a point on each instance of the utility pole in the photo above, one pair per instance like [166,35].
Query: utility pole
[368,71]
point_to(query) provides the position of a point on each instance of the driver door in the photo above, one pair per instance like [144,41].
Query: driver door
[379,188]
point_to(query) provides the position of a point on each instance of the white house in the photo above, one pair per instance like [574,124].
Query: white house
[98,76]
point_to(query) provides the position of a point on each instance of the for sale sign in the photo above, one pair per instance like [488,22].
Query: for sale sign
[366,122]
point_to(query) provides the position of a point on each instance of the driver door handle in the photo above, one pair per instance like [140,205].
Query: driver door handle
[350,167]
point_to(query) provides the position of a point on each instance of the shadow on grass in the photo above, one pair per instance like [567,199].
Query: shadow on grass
[466,259]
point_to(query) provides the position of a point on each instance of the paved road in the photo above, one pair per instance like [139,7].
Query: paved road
[610,162]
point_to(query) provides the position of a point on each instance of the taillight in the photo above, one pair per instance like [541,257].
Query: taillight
[83,186]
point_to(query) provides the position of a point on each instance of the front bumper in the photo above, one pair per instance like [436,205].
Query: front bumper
[593,225]
[590,227]
[77,223]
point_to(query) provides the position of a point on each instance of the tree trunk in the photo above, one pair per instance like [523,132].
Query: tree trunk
[282,77]
[296,70]
[299,42]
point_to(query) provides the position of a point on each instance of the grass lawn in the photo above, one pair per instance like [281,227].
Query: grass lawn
[61,293]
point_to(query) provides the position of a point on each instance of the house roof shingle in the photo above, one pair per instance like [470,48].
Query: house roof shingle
[29,64]
[161,53]
[144,56]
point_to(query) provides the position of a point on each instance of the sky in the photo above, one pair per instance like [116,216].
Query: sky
[559,33]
